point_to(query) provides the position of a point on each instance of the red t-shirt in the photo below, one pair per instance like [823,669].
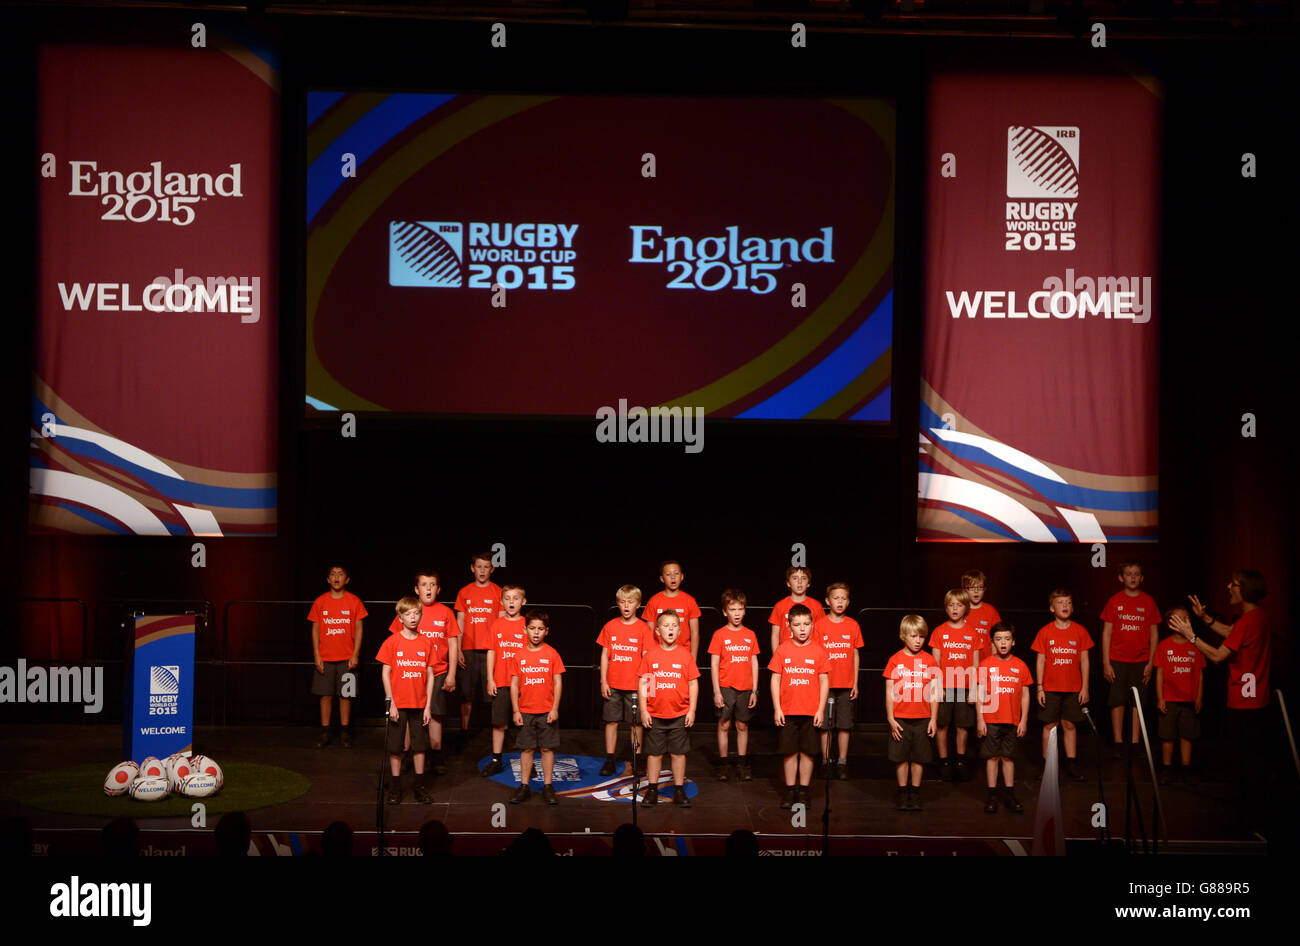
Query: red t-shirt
[439,625]
[625,643]
[736,650]
[800,667]
[911,675]
[982,618]
[1182,664]
[480,607]
[668,695]
[507,638]
[409,660]
[1061,649]
[956,646]
[685,607]
[338,619]
[1132,617]
[536,670]
[839,640]
[780,614]
[1004,682]
[1250,646]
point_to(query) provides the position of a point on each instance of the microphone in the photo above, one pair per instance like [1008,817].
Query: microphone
[1088,717]
[830,709]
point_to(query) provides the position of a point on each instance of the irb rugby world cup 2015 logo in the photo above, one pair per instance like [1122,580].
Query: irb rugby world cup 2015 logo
[1042,187]
[578,776]
[432,254]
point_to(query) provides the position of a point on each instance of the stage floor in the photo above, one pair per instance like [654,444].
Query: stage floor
[1200,816]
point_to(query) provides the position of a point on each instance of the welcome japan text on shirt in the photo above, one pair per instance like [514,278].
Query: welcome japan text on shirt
[910,679]
[338,619]
[1061,648]
[669,673]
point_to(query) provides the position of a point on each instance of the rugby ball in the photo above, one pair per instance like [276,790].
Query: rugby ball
[203,764]
[154,767]
[119,778]
[178,766]
[149,788]
[199,785]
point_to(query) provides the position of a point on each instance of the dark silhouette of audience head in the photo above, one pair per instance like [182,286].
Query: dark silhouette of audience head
[435,839]
[742,843]
[629,841]
[233,833]
[121,838]
[532,842]
[16,837]
[337,840]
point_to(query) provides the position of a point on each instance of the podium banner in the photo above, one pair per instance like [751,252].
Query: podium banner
[160,717]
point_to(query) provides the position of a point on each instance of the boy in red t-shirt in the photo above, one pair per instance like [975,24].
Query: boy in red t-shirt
[478,605]
[797,579]
[535,686]
[956,645]
[800,681]
[1179,691]
[1062,647]
[622,641]
[672,598]
[840,637]
[1128,646]
[408,685]
[982,615]
[505,640]
[733,663]
[335,648]
[1002,715]
[438,624]
[669,689]
[912,691]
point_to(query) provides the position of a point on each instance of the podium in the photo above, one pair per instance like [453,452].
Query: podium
[160,687]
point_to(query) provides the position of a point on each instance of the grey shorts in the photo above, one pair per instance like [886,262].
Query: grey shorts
[1000,743]
[411,720]
[915,745]
[1179,721]
[955,712]
[618,708]
[537,733]
[503,713]
[798,736]
[1126,676]
[330,683]
[843,715]
[1060,706]
[735,705]
[438,705]
[667,735]
[472,679]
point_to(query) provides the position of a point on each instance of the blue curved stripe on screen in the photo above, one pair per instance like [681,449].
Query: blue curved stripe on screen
[370,133]
[91,516]
[254,42]
[996,528]
[877,408]
[318,103]
[1079,497]
[834,372]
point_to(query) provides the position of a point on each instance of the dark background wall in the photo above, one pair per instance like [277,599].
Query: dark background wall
[579,518]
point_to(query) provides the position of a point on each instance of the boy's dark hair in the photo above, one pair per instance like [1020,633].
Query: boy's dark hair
[1003,626]
[233,834]
[799,568]
[1129,563]
[336,841]
[629,841]
[435,839]
[437,580]
[1059,593]
[537,614]
[670,561]
[1252,584]
[733,596]
[798,611]
[342,568]
[481,557]
[121,838]
[667,614]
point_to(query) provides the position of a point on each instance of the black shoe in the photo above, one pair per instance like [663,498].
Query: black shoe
[394,794]
[746,773]
[1168,776]
[914,799]
[345,738]
[945,769]
[439,767]
[903,803]
[1012,802]
[323,739]
[824,770]
[1074,773]
[651,797]
[961,771]
[493,767]
[804,797]
[842,771]
[521,795]
[791,796]
[608,768]
[423,794]
[679,797]
[724,771]
[548,795]
[991,803]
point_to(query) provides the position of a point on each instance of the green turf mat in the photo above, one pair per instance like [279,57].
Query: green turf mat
[79,790]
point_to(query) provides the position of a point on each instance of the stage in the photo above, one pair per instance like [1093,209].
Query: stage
[1200,816]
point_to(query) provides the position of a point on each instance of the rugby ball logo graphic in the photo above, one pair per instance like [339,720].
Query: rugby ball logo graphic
[425,253]
[1043,161]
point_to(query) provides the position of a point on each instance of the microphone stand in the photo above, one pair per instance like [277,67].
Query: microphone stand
[830,744]
[383,766]
[634,746]
[1103,830]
